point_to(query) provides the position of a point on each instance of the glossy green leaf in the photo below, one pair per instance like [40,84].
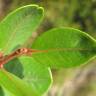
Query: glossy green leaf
[36,76]
[64,47]
[18,26]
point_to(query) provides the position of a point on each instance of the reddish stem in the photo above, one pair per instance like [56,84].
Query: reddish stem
[19,52]
[27,51]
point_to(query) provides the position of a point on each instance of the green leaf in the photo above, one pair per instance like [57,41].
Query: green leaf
[1,92]
[64,47]
[18,26]
[7,93]
[34,74]
[15,85]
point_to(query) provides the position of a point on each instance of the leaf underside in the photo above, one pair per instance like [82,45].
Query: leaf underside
[64,47]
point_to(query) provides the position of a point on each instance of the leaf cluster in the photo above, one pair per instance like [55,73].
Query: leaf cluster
[60,48]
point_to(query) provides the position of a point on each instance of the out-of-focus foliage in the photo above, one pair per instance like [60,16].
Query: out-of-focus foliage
[76,13]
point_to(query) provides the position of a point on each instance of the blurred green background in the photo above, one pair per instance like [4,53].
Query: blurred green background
[80,14]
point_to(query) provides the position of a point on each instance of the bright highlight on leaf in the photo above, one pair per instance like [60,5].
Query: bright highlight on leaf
[66,47]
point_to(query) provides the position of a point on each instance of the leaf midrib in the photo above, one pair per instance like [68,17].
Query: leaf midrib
[62,49]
